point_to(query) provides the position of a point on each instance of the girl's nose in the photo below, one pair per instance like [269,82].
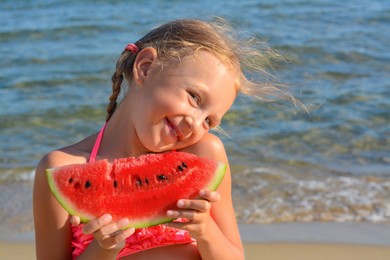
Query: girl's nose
[195,123]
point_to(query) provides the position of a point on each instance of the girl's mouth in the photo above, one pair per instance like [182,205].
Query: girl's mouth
[173,129]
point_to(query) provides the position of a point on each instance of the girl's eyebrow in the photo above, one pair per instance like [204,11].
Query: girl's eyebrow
[201,88]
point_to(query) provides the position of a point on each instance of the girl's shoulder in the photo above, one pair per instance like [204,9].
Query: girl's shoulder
[75,153]
[61,157]
[209,146]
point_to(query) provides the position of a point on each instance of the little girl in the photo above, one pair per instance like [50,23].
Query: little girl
[182,77]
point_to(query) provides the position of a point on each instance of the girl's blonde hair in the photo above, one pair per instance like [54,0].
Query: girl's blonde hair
[177,39]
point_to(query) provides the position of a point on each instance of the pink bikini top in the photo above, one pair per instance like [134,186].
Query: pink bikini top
[142,239]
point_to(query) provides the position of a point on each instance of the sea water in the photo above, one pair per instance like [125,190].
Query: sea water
[331,163]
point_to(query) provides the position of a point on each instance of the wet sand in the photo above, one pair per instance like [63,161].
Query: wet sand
[315,241]
[253,251]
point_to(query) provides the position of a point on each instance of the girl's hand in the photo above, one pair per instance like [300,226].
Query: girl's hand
[196,212]
[107,234]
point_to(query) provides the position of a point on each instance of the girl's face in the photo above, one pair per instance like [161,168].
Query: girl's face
[175,107]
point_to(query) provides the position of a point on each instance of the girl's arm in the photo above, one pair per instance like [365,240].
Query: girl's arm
[220,239]
[52,227]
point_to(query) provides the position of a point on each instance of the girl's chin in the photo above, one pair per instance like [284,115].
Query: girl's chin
[161,148]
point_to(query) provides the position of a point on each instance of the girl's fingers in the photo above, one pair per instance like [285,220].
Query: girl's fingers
[111,229]
[189,215]
[211,196]
[118,236]
[123,234]
[75,220]
[108,234]
[116,239]
[192,207]
[196,212]
[199,205]
[96,224]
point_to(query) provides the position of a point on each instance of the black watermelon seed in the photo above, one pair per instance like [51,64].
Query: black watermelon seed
[184,165]
[180,168]
[146,180]
[87,184]
[70,180]
[115,184]
[162,177]
[136,180]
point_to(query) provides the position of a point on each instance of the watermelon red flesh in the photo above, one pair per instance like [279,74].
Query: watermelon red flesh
[141,189]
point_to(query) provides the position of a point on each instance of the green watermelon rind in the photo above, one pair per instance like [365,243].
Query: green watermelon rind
[213,185]
[62,200]
[218,177]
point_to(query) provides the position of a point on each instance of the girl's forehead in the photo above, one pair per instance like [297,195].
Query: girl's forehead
[203,63]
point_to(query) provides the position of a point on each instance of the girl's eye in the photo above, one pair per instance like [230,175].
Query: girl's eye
[208,121]
[195,97]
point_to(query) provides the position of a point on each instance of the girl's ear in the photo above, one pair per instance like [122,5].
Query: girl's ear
[143,63]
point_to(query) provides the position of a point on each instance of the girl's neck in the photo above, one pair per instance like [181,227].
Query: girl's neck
[120,139]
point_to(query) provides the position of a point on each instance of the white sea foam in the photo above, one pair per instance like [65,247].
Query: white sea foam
[20,176]
[276,196]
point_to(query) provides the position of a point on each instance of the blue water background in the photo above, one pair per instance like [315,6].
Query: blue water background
[57,58]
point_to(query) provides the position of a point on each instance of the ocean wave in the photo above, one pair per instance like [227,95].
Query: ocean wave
[264,195]
[13,176]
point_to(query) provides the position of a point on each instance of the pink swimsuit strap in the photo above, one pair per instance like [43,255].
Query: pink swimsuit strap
[142,239]
[96,146]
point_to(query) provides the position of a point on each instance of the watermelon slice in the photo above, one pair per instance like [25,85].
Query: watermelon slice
[141,189]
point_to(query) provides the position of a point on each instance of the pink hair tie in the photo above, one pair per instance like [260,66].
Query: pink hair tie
[132,47]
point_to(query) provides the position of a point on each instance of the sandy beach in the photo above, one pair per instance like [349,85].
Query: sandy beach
[312,241]
[272,251]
